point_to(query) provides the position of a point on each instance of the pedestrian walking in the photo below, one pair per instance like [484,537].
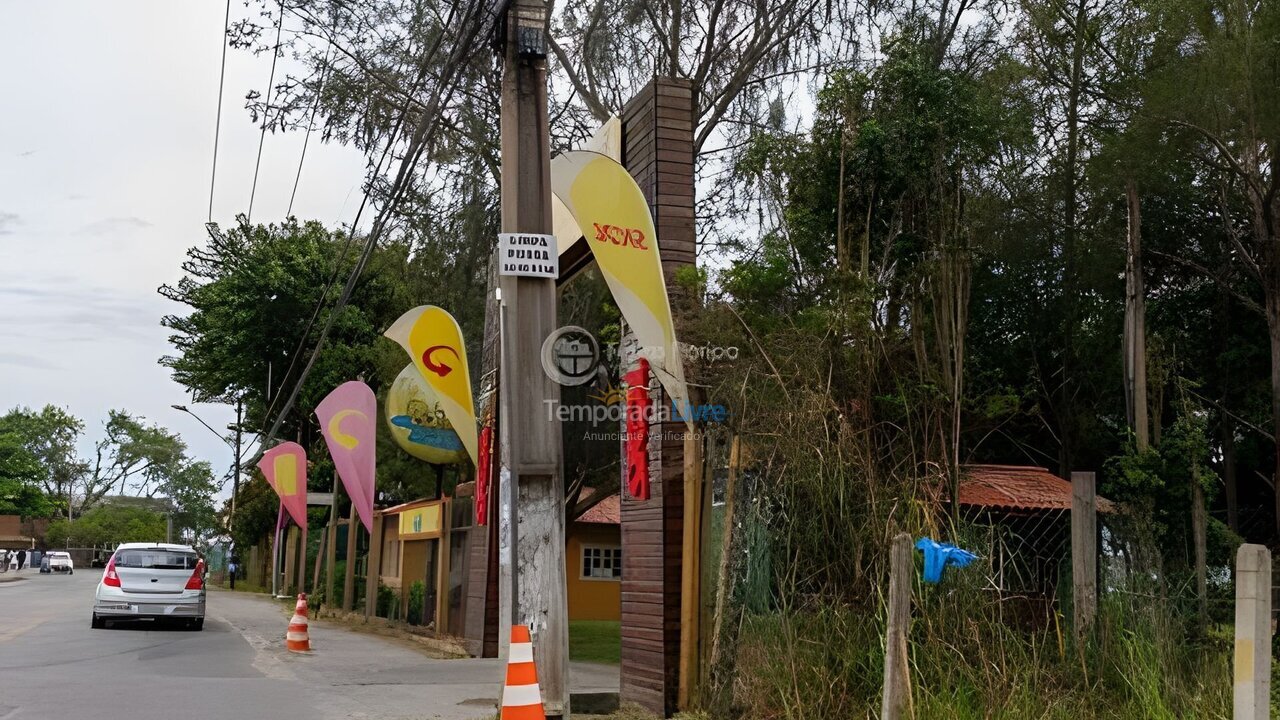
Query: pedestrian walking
[232,567]
[22,558]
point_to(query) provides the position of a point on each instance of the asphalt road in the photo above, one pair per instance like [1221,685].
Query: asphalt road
[53,666]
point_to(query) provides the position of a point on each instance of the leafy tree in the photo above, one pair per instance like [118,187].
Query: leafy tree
[1216,89]
[134,455]
[256,509]
[190,491]
[251,295]
[108,524]
[20,474]
[50,436]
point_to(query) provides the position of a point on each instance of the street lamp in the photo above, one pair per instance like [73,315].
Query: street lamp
[187,410]
[235,468]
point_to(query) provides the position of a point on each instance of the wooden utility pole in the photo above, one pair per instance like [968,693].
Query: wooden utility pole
[531,486]
[1084,550]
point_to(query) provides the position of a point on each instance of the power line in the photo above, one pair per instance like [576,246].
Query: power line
[311,123]
[392,138]
[424,132]
[217,123]
[266,112]
[346,249]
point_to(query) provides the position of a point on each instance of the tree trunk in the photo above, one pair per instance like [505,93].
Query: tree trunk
[1198,532]
[1071,203]
[864,261]
[1135,325]
[1228,431]
[726,550]
[1273,327]
[842,248]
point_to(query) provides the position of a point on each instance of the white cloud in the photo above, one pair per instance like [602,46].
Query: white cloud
[114,225]
[121,111]
[8,221]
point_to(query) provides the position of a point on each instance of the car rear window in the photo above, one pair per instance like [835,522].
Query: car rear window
[156,560]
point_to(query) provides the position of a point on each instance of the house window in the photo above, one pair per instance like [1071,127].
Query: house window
[601,563]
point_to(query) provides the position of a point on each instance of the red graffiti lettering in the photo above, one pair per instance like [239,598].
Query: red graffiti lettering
[620,236]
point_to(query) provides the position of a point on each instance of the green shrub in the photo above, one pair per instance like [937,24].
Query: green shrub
[388,603]
[417,598]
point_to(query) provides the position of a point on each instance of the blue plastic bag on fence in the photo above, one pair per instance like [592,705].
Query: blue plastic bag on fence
[938,556]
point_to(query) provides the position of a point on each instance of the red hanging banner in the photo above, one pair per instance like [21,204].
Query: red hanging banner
[482,475]
[638,430]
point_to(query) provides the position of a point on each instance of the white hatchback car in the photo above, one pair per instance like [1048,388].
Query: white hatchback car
[151,581]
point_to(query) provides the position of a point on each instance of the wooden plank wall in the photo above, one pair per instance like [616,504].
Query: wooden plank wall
[658,152]
[481,583]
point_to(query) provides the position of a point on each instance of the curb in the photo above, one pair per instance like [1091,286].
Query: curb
[449,648]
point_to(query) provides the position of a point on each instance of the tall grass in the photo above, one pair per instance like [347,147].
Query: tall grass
[827,662]
[845,445]
[970,657]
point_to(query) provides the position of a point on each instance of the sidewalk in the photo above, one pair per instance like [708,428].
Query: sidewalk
[363,675]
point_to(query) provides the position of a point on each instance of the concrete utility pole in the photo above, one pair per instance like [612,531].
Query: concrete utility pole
[531,487]
[1252,666]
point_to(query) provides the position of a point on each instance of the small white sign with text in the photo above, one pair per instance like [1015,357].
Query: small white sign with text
[528,255]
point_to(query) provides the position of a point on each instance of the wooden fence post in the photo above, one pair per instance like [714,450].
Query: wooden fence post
[897,702]
[1084,550]
[1252,666]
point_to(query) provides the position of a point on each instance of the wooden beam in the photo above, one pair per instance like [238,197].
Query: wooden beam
[290,559]
[302,562]
[325,558]
[442,568]
[349,581]
[691,566]
[373,568]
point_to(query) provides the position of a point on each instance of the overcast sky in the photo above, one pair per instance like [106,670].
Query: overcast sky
[106,142]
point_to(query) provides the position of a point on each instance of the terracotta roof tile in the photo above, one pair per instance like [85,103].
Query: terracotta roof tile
[606,512]
[1017,487]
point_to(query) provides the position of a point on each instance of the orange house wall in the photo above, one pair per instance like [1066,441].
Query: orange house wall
[591,599]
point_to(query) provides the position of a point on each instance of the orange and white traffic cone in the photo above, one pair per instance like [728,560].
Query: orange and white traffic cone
[297,639]
[521,697]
